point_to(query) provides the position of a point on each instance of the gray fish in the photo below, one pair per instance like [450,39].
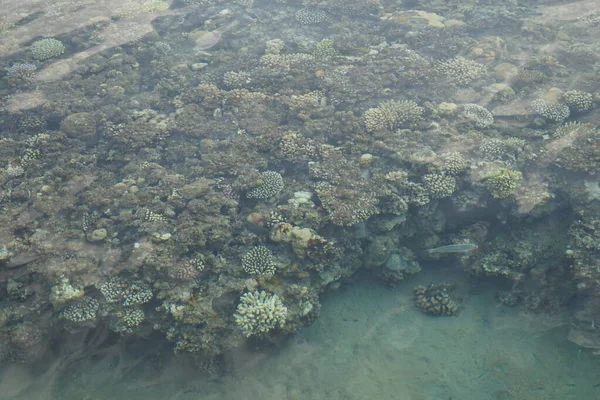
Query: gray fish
[205,40]
[453,248]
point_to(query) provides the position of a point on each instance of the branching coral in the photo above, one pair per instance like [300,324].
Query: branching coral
[259,262]
[439,185]
[503,183]
[81,310]
[578,101]
[47,48]
[119,290]
[552,111]
[270,184]
[259,313]
[480,116]
[391,114]
[461,70]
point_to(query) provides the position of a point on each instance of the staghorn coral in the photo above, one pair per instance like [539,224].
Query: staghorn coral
[306,102]
[237,79]
[529,76]
[295,63]
[501,149]
[325,49]
[294,147]
[392,114]
[259,313]
[492,149]
[258,261]
[270,184]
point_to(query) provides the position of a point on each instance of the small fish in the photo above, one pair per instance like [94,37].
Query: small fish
[454,248]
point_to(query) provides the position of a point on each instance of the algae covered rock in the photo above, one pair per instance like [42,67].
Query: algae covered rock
[97,235]
[196,189]
[79,125]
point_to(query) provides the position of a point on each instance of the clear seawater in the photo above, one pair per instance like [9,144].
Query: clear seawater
[133,67]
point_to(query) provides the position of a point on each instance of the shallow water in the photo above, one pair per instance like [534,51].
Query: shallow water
[248,218]
[370,342]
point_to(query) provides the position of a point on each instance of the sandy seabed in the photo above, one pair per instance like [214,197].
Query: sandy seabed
[370,342]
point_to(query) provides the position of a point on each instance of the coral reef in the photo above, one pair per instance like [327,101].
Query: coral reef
[346,207]
[147,184]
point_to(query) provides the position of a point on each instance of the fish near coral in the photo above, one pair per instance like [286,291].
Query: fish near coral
[464,248]
[204,40]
